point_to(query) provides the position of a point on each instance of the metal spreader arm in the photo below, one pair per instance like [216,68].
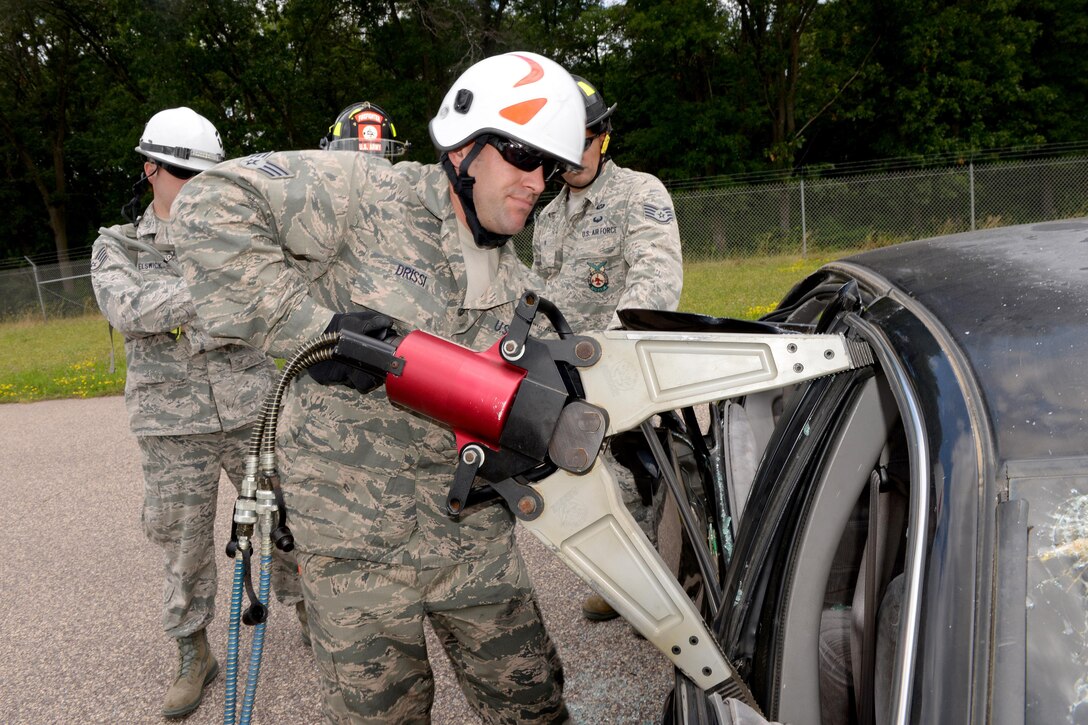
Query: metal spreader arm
[584,521]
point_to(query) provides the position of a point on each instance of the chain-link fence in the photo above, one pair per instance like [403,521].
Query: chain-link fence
[823,213]
[724,219]
[813,214]
[57,289]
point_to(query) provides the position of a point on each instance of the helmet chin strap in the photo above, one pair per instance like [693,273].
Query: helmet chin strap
[462,186]
[131,210]
[600,165]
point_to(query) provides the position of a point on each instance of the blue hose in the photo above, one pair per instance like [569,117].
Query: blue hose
[230,697]
[254,670]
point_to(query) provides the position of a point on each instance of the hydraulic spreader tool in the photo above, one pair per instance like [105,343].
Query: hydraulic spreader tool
[530,416]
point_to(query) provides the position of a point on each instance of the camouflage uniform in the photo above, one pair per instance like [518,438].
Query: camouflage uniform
[191,411]
[619,250]
[273,246]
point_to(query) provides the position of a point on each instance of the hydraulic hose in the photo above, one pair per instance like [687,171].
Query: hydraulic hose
[231,694]
[260,459]
[257,507]
[257,649]
[314,351]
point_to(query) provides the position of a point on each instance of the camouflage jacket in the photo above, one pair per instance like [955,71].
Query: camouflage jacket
[620,250]
[274,245]
[172,385]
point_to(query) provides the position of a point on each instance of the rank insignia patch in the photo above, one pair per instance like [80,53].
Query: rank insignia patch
[262,164]
[660,214]
[99,258]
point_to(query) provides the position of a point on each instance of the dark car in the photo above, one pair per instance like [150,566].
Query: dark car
[913,545]
[891,526]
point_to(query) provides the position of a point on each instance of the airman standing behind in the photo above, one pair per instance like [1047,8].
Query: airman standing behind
[191,405]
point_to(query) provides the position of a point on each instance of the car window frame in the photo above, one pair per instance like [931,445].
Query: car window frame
[917,445]
[910,411]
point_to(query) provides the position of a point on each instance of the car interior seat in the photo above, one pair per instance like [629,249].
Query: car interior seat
[859,624]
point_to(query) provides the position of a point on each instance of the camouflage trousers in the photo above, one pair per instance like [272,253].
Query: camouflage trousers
[181,490]
[366,621]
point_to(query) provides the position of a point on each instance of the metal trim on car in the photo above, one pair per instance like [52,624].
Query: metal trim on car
[914,427]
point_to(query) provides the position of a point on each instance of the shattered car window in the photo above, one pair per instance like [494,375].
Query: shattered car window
[1057,596]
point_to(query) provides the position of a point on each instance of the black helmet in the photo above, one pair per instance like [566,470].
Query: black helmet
[364,127]
[597,112]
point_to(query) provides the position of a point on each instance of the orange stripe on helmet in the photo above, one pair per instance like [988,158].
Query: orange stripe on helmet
[535,72]
[522,113]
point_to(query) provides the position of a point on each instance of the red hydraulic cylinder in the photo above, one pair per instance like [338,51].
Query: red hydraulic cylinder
[469,391]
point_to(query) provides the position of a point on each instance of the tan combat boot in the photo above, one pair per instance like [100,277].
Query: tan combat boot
[595,608]
[196,668]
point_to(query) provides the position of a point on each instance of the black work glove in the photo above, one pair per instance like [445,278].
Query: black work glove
[332,372]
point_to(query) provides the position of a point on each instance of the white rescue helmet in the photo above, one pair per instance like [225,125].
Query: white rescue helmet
[181,137]
[520,96]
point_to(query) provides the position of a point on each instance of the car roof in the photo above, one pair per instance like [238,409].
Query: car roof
[1015,300]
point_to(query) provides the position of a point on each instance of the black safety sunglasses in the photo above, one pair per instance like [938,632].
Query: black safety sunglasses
[178,172]
[524,158]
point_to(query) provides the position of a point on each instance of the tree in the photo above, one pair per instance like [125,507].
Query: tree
[674,80]
[40,65]
[1055,78]
[704,87]
[62,75]
[796,77]
[953,77]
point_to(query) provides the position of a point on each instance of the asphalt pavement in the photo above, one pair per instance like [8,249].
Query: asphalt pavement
[80,586]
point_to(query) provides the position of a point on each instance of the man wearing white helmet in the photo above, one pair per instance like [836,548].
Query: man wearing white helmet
[280,248]
[191,407]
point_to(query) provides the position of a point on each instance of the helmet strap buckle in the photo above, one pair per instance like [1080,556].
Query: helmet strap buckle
[462,186]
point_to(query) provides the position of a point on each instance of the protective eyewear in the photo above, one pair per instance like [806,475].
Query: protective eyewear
[178,172]
[524,158]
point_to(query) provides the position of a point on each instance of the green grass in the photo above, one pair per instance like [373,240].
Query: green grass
[69,358]
[744,288]
[63,358]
